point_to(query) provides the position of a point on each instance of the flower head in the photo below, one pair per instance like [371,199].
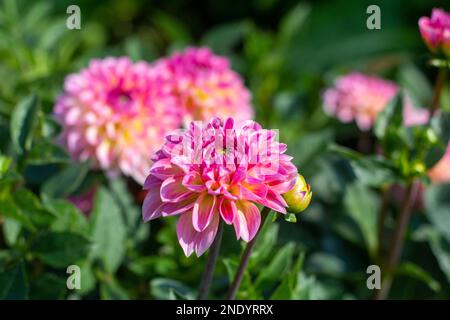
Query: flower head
[440,172]
[205,86]
[299,197]
[358,97]
[218,171]
[115,113]
[435,31]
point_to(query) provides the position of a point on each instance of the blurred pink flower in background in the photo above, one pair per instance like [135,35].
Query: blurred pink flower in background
[218,170]
[435,31]
[115,113]
[440,173]
[205,85]
[359,97]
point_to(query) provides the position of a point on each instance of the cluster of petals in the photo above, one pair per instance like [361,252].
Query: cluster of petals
[435,31]
[218,170]
[360,98]
[205,86]
[115,113]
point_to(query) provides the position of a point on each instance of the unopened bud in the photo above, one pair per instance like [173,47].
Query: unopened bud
[299,197]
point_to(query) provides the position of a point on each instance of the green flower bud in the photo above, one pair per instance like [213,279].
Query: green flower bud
[299,197]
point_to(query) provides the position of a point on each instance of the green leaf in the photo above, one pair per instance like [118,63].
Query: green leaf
[11,231]
[247,290]
[23,123]
[292,22]
[416,84]
[290,282]
[68,217]
[108,231]
[45,152]
[13,283]
[30,205]
[441,125]
[111,290]
[60,249]
[164,289]
[361,205]
[412,270]
[437,204]
[11,211]
[278,265]
[223,38]
[290,217]
[48,286]
[391,118]
[65,182]
[5,162]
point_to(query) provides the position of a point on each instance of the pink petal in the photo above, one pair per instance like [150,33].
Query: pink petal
[173,191]
[227,209]
[203,212]
[204,239]
[186,233]
[151,206]
[193,181]
[274,201]
[247,220]
[164,169]
[171,209]
[191,240]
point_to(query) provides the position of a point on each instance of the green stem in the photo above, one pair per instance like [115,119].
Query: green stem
[210,264]
[245,258]
[440,80]
[398,239]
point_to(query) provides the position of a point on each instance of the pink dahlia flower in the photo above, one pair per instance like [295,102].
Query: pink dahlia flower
[115,113]
[440,173]
[218,171]
[435,31]
[358,97]
[205,86]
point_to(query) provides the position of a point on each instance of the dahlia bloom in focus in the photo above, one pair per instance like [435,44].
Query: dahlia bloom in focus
[440,173]
[218,171]
[205,86]
[115,113]
[435,31]
[358,97]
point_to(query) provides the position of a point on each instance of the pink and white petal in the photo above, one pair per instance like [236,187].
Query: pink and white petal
[186,233]
[164,169]
[204,239]
[193,181]
[247,220]
[151,206]
[203,211]
[172,190]
[152,182]
[274,201]
[227,209]
[174,208]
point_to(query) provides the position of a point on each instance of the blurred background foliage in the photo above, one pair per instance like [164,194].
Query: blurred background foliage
[287,52]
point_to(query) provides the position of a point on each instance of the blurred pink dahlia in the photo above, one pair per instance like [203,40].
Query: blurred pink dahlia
[115,113]
[358,97]
[440,173]
[435,31]
[218,170]
[205,86]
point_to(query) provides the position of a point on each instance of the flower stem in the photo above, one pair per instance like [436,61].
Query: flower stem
[245,258]
[398,239]
[382,217]
[210,264]
[442,75]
